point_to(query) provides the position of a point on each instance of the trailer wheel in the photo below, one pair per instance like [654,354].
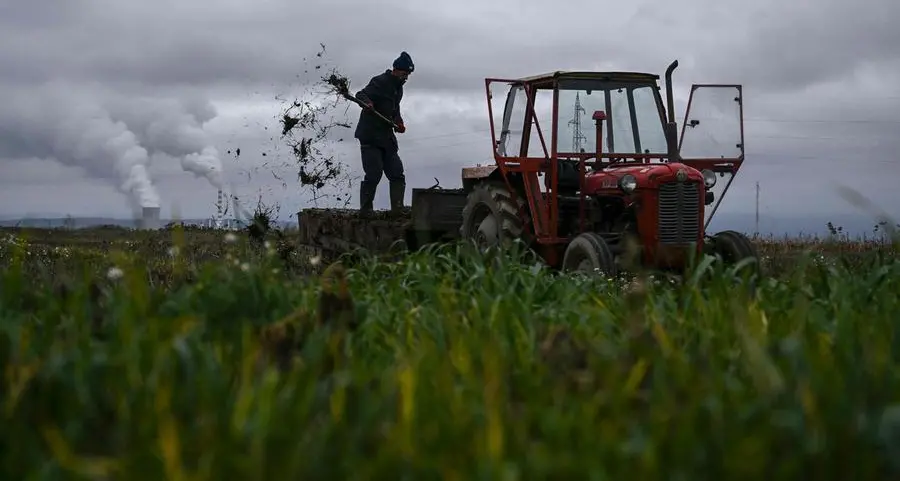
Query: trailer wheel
[588,252]
[735,247]
[490,217]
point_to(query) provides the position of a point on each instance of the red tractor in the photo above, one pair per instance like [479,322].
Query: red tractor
[576,203]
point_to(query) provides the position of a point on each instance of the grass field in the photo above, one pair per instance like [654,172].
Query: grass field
[198,355]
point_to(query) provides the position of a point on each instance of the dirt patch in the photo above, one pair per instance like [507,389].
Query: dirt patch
[313,124]
[310,128]
[339,83]
[310,118]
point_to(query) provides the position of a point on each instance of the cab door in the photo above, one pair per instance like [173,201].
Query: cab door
[712,136]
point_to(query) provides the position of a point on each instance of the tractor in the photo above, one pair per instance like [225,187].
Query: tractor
[581,206]
[647,198]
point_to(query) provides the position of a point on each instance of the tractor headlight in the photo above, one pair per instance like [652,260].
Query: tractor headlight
[628,183]
[709,178]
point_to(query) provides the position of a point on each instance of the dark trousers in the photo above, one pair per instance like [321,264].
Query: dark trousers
[377,160]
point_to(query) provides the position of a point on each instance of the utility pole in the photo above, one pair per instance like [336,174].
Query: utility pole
[578,138]
[757,208]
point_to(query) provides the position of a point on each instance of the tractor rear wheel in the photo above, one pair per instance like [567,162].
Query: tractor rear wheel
[491,217]
[734,247]
[588,252]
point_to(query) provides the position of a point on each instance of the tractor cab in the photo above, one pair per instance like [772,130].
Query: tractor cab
[622,113]
[599,152]
[601,119]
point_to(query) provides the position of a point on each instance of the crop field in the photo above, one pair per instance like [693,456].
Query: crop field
[204,355]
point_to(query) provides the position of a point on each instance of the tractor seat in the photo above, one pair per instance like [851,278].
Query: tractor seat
[568,176]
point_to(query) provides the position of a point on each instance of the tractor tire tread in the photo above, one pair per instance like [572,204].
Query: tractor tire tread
[509,222]
[743,245]
[599,251]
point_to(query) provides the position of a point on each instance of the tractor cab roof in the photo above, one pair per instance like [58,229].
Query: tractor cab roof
[547,79]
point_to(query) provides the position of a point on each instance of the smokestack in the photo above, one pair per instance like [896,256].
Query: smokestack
[150,218]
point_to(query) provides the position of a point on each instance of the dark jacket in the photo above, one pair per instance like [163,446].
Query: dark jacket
[385,91]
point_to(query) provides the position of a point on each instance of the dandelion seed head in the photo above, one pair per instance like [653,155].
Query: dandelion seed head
[114,273]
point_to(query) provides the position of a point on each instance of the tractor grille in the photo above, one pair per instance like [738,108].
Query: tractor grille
[679,212]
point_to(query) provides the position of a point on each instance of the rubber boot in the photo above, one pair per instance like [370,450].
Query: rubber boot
[397,190]
[366,198]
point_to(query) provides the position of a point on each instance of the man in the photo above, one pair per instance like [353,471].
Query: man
[378,144]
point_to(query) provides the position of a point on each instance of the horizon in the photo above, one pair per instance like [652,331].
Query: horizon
[853,226]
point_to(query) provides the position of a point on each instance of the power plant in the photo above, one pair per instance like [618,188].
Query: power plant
[222,219]
[149,218]
[219,220]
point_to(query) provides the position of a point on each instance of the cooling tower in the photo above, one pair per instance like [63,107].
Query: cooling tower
[150,218]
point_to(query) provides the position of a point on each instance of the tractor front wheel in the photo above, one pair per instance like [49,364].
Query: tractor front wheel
[588,252]
[734,247]
[491,217]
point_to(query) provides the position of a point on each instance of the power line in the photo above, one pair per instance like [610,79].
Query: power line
[825,121]
[816,137]
[485,136]
[546,122]
[486,132]
[813,121]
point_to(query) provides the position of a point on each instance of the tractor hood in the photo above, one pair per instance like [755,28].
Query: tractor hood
[646,176]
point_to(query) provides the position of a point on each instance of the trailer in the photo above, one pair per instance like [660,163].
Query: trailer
[434,216]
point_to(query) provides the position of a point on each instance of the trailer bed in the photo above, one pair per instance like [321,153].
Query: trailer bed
[435,216]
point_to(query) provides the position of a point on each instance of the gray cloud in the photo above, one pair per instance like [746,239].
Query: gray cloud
[169,45]
[820,82]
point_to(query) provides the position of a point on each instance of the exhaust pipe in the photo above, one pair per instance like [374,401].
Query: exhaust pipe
[671,129]
[670,99]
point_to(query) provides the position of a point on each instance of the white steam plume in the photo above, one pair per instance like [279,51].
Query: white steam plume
[175,127]
[206,164]
[110,135]
[139,186]
[76,132]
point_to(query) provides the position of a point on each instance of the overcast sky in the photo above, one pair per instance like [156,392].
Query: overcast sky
[99,93]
